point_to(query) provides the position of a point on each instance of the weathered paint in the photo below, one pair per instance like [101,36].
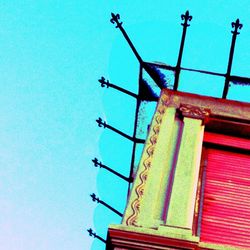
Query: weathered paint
[154,197]
[183,196]
[134,214]
[150,216]
[226,214]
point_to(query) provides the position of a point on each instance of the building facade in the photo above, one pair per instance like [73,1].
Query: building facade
[192,186]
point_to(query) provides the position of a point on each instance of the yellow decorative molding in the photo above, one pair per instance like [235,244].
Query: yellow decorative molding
[139,190]
[194,112]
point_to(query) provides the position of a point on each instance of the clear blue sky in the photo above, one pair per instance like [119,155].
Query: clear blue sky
[52,53]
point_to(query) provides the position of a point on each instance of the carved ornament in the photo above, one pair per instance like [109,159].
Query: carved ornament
[132,220]
[194,112]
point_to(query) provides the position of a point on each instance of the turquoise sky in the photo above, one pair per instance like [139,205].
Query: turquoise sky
[51,55]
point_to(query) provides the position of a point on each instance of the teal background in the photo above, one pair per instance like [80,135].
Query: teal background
[51,55]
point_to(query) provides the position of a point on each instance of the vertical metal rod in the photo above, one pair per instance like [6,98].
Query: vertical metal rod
[186,18]
[236,25]
[138,102]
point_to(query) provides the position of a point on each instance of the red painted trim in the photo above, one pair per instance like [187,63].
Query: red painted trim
[227,140]
[135,238]
[207,98]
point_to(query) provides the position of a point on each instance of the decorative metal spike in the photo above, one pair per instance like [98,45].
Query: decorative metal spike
[96,163]
[186,18]
[108,84]
[104,82]
[115,19]
[94,198]
[236,25]
[101,123]
[91,232]
[105,125]
[99,164]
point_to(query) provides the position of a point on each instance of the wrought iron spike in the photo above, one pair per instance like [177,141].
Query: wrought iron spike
[108,84]
[105,125]
[104,82]
[115,19]
[99,164]
[94,198]
[91,232]
[236,25]
[186,18]
[101,123]
[96,162]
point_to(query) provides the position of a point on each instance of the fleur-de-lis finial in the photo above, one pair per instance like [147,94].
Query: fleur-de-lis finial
[95,161]
[104,82]
[236,25]
[115,19]
[91,233]
[186,18]
[94,198]
[101,123]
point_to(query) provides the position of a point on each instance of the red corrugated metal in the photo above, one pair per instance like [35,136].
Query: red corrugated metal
[226,204]
[227,140]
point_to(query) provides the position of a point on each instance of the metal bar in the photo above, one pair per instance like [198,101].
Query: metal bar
[111,208]
[92,233]
[108,84]
[115,20]
[240,80]
[98,163]
[105,125]
[94,198]
[186,18]
[236,25]
[232,77]
[172,68]
[137,140]
[203,71]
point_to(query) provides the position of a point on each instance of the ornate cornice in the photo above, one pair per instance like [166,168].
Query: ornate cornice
[139,190]
[187,110]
